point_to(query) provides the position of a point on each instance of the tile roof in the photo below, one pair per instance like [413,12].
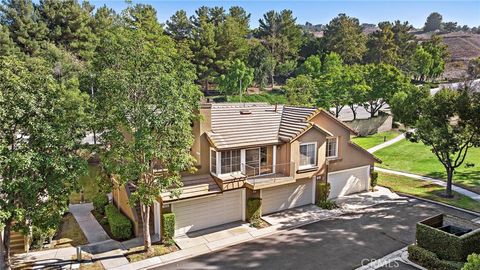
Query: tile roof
[236,125]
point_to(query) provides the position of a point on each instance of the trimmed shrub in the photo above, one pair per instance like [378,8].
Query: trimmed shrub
[458,247]
[328,205]
[99,203]
[323,191]
[254,209]
[430,260]
[120,225]
[473,262]
[168,227]
[373,179]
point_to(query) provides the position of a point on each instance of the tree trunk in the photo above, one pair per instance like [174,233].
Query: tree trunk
[448,192]
[354,111]
[337,111]
[147,241]
[272,80]
[6,243]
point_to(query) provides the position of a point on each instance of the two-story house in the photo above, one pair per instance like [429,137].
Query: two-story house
[274,152]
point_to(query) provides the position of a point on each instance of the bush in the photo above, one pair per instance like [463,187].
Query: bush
[168,227]
[254,209]
[99,203]
[373,179]
[430,260]
[473,262]
[328,205]
[323,191]
[120,225]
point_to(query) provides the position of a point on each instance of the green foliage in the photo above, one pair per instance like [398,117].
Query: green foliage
[254,209]
[323,191]
[168,227]
[258,58]
[300,91]
[422,63]
[120,225]
[381,45]
[39,235]
[312,66]
[236,80]
[99,203]
[343,35]
[327,205]
[473,262]
[434,22]
[436,240]
[474,68]
[438,50]
[373,179]
[429,260]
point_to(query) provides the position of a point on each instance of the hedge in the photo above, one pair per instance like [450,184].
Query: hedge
[254,209]
[120,225]
[323,191]
[168,227]
[99,203]
[436,240]
[430,260]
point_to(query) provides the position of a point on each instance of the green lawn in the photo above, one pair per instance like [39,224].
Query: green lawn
[375,139]
[417,158]
[426,190]
[89,183]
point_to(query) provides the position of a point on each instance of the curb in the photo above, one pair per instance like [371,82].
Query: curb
[437,203]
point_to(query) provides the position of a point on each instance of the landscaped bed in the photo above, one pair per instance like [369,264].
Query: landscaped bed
[138,253]
[417,158]
[375,139]
[69,233]
[425,190]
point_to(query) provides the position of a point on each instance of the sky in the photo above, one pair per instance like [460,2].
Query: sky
[321,12]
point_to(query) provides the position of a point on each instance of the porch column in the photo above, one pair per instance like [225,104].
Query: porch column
[274,158]
[157,218]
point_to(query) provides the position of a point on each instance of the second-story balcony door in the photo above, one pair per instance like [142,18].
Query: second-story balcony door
[252,161]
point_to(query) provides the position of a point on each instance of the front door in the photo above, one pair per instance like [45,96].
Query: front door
[252,161]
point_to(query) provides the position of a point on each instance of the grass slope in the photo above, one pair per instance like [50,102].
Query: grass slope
[375,139]
[417,158]
[426,190]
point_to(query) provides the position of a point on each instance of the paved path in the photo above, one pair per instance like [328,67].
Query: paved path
[387,143]
[89,225]
[439,182]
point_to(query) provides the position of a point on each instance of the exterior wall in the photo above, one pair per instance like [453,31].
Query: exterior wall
[121,200]
[201,146]
[364,127]
[313,135]
[348,155]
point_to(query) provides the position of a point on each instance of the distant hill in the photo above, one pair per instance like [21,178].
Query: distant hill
[462,47]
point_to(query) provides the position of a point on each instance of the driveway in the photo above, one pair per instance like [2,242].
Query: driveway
[339,243]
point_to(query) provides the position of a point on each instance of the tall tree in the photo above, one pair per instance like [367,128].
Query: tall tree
[357,87]
[406,43]
[381,46]
[434,22]
[312,66]
[149,98]
[343,35]
[438,50]
[258,59]
[236,80]
[448,123]
[383,82]
[39,141]
[7,46]
[69,25]
[24,24]
[179,27]
[422,63]
[300,91]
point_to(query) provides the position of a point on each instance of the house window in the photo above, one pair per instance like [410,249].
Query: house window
[230,161]
[213,162]
[308,155]
[332,147]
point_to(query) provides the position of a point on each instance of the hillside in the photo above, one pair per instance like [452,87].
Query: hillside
[462,47]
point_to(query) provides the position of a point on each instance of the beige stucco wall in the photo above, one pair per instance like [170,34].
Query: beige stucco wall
[312,135]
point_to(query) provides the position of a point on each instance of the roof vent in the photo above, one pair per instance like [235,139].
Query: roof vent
[245,112]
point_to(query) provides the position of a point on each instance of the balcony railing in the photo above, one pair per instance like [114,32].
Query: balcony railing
[268,173]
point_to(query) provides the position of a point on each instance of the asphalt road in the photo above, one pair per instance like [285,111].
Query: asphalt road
[346,242]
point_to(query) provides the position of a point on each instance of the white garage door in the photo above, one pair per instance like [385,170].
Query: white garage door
[207,212]
[288,196]
[349,181]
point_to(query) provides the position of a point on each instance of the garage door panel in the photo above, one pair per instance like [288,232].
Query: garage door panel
[287,196]
[207,212]
[349,181]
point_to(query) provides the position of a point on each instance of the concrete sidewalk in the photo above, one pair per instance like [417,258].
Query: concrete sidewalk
[281,221]
[439,182]
[91,228]
[387,143]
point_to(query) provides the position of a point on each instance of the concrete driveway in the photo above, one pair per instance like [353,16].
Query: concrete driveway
[344,242]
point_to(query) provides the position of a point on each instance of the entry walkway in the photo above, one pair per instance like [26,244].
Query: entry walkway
[91,228]
[387,143]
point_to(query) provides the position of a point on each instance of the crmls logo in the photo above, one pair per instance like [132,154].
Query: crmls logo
[380,263]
